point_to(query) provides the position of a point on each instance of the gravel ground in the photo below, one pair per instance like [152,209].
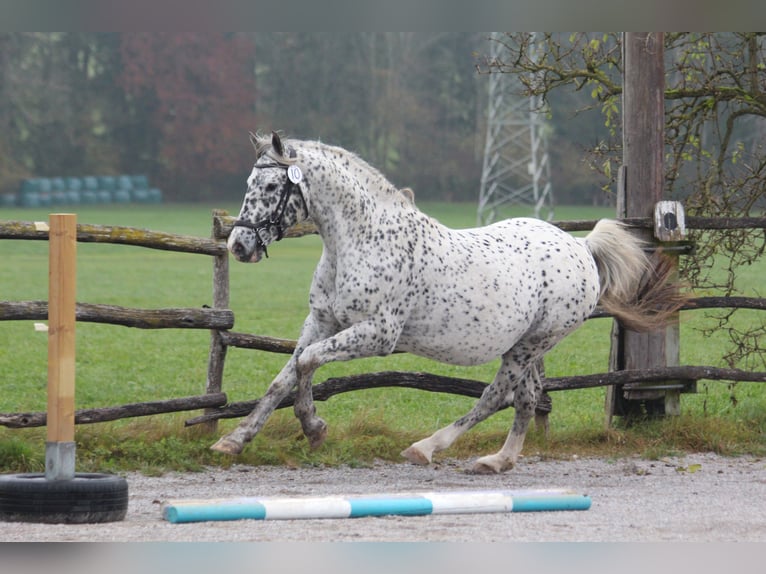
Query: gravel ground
[696,498]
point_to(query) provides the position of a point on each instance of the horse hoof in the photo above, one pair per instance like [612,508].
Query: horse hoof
[415,456]
[484,468]
[227,446]
[490,465]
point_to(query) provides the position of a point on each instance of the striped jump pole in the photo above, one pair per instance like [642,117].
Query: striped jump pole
[409,504]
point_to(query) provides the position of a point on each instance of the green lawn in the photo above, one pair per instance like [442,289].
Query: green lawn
[117,365]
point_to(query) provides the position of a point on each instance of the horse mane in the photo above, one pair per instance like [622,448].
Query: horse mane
[260,142]
[380,186]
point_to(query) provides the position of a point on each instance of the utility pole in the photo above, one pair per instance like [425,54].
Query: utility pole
[516,169]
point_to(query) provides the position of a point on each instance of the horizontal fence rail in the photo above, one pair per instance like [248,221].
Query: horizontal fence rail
[223,224]
[473,388]
[105,414]
[287,346]
[258,342]
[710,223]
[756,303]
[89,233]
[169,318]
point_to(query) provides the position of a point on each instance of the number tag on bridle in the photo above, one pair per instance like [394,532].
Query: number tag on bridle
[294,174]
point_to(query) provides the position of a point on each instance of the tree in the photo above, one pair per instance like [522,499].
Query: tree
[190,100]
[407,102]
[177,106]
[715,132]
[11,169]
[51,104]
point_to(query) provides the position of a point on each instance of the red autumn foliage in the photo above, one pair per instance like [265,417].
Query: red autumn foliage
[199,89]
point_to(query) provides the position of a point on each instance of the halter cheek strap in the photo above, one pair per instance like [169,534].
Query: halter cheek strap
[275,220]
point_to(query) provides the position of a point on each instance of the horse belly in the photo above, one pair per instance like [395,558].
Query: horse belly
[466,351]
[469,334]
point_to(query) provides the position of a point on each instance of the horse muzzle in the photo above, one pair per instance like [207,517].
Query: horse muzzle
[247,250]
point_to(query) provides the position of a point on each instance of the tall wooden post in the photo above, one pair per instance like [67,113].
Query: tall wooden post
[217,355]
[62,285]
[639,189]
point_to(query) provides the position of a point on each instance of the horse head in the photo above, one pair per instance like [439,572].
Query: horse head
[274,200]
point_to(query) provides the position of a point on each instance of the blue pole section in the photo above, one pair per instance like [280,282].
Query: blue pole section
[408,504]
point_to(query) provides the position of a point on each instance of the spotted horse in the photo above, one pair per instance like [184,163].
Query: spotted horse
[391,278]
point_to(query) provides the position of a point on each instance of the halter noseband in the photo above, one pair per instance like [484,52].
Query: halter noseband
[275,220]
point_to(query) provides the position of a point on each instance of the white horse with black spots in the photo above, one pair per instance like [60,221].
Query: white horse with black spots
[391,278]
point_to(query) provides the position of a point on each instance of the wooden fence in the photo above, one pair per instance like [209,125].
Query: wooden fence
[219,320]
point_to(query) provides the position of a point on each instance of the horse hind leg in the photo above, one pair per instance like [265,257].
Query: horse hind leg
[525,400]
[497,395]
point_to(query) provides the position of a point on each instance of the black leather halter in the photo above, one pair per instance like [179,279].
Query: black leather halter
[275,220]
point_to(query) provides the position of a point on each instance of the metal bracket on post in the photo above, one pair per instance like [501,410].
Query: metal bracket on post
[669,221]
[59,460]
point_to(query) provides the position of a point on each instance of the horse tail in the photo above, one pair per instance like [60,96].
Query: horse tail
[636,289]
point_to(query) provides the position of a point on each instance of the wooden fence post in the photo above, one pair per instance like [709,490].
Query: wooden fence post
[217,356]
[640,188]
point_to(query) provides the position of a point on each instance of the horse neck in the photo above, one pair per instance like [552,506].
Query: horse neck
[349,184]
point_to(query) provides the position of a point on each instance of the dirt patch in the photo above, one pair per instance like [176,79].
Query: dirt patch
[699,497]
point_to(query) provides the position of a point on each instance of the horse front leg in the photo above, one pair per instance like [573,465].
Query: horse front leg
[280,387]
[363,339]
[235,441]
[314,427]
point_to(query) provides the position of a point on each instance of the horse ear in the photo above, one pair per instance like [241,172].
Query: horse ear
[259,143]
[276,143]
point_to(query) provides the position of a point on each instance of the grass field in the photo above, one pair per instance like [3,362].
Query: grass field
[118,365]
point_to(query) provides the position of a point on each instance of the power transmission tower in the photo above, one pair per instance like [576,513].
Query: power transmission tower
[516,169]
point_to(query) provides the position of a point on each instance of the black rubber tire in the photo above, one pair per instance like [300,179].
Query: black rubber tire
[87,498]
